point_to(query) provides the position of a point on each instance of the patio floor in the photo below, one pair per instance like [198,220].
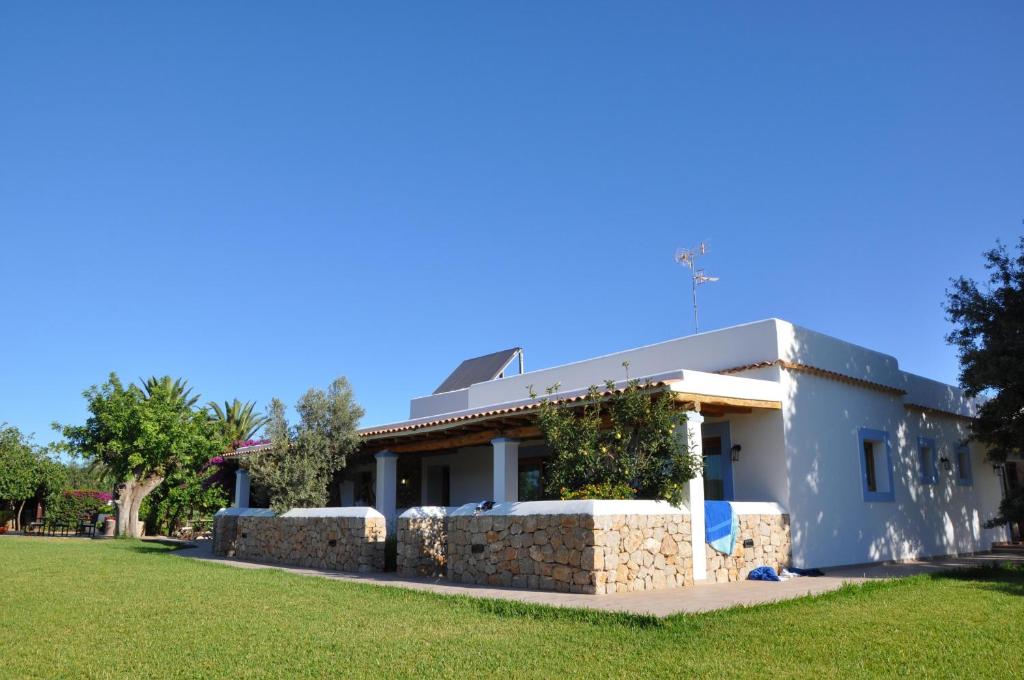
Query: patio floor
[699,598]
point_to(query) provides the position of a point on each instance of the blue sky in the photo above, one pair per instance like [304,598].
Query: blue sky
[262,196]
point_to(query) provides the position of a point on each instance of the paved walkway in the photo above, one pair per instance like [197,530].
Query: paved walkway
[699,598]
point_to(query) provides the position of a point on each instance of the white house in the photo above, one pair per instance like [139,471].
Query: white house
[870,462]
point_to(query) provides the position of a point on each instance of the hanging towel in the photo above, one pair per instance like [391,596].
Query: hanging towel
[721,526]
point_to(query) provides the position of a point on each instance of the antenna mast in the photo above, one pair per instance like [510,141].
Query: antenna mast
[688,258]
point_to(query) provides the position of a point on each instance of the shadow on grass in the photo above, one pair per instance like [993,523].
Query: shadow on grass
[1003,578]
[511,609]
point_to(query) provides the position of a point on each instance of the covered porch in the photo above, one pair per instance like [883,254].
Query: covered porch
[497,453]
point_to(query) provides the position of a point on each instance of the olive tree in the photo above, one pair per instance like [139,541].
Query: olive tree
[301,460]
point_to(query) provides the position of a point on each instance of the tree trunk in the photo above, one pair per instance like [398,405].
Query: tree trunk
[123,504]
[17,517]
[140,489]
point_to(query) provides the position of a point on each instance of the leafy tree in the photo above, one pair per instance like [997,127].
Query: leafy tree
[302,459]
[19,470]
[237,421]
[26,471]
[142,436]
[186,494]
[989,336]
[617,444]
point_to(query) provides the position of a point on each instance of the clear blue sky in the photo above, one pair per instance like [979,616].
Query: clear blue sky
[262,196]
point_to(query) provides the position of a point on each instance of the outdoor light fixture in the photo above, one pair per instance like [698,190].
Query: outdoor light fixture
[946,465]
[736,448]
[404,481]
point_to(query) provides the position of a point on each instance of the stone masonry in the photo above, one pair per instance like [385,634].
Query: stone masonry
[225,534]
[579,553]
[423,546]
[336,543]
[771,547]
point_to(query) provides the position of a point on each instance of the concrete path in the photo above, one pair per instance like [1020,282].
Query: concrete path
[699,598]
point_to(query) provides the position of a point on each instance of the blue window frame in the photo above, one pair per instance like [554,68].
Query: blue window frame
[927,461]
[875,453]
[964,475]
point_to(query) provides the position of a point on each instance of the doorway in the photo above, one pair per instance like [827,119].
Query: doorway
[717,446]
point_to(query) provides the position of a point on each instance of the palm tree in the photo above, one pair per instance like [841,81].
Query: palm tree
[177,389]
[237,421]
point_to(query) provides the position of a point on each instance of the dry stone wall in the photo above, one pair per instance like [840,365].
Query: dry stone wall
[769,536]
[579,553]
[423,545]
[336,543]
[225,533]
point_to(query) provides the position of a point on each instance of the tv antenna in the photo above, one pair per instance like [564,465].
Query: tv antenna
[689,257]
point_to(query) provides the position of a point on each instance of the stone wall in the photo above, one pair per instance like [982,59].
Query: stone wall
[225,533]
[423,542]
[771,547]
[583,547]
[341,539]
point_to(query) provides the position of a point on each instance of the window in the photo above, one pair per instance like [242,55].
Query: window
[928,471]
[963,466]
[533,479]
[876,465]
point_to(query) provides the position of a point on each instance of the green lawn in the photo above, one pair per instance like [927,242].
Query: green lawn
[122,609]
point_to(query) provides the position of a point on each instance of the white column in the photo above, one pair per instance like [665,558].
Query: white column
[505,470]
[387,484]
[695,497]
[241,488]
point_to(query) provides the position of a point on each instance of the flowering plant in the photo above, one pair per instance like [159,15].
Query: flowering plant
[248,442]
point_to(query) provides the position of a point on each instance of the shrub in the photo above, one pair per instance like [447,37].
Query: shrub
[617,443]
[599,491]
[75,504]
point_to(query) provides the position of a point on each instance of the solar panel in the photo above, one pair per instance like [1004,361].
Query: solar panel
[478,369]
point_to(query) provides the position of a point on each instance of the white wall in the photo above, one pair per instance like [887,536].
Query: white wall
[470,480]
[831,522]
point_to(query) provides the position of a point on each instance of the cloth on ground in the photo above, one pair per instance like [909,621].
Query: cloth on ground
[721,526]
[763,574]
[806,572]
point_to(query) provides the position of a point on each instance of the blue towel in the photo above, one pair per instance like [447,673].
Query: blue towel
[763,574]
[721,525]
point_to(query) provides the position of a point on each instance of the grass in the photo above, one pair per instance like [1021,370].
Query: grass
[92,609]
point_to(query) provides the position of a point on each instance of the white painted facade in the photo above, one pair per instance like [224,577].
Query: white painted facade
[807,457]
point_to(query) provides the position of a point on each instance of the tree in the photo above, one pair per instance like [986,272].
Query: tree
[989,336]
[619,443]
[142,436]
[177,388]
[19,470]
[302,459]
[237,421]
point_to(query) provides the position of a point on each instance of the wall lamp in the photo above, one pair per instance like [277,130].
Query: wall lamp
[735,450]
[946,465]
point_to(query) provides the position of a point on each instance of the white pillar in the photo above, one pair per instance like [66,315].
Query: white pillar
[387,484]
[241,488]
[695,497]
[505,470]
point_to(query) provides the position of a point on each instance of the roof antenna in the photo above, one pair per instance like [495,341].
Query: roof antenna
[697,276]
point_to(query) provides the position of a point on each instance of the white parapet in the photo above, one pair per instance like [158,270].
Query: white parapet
[591,507]
[428,512]
[245,512]
[757,508]
[364,512]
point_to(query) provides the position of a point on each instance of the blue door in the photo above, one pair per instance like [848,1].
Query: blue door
[717,461]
